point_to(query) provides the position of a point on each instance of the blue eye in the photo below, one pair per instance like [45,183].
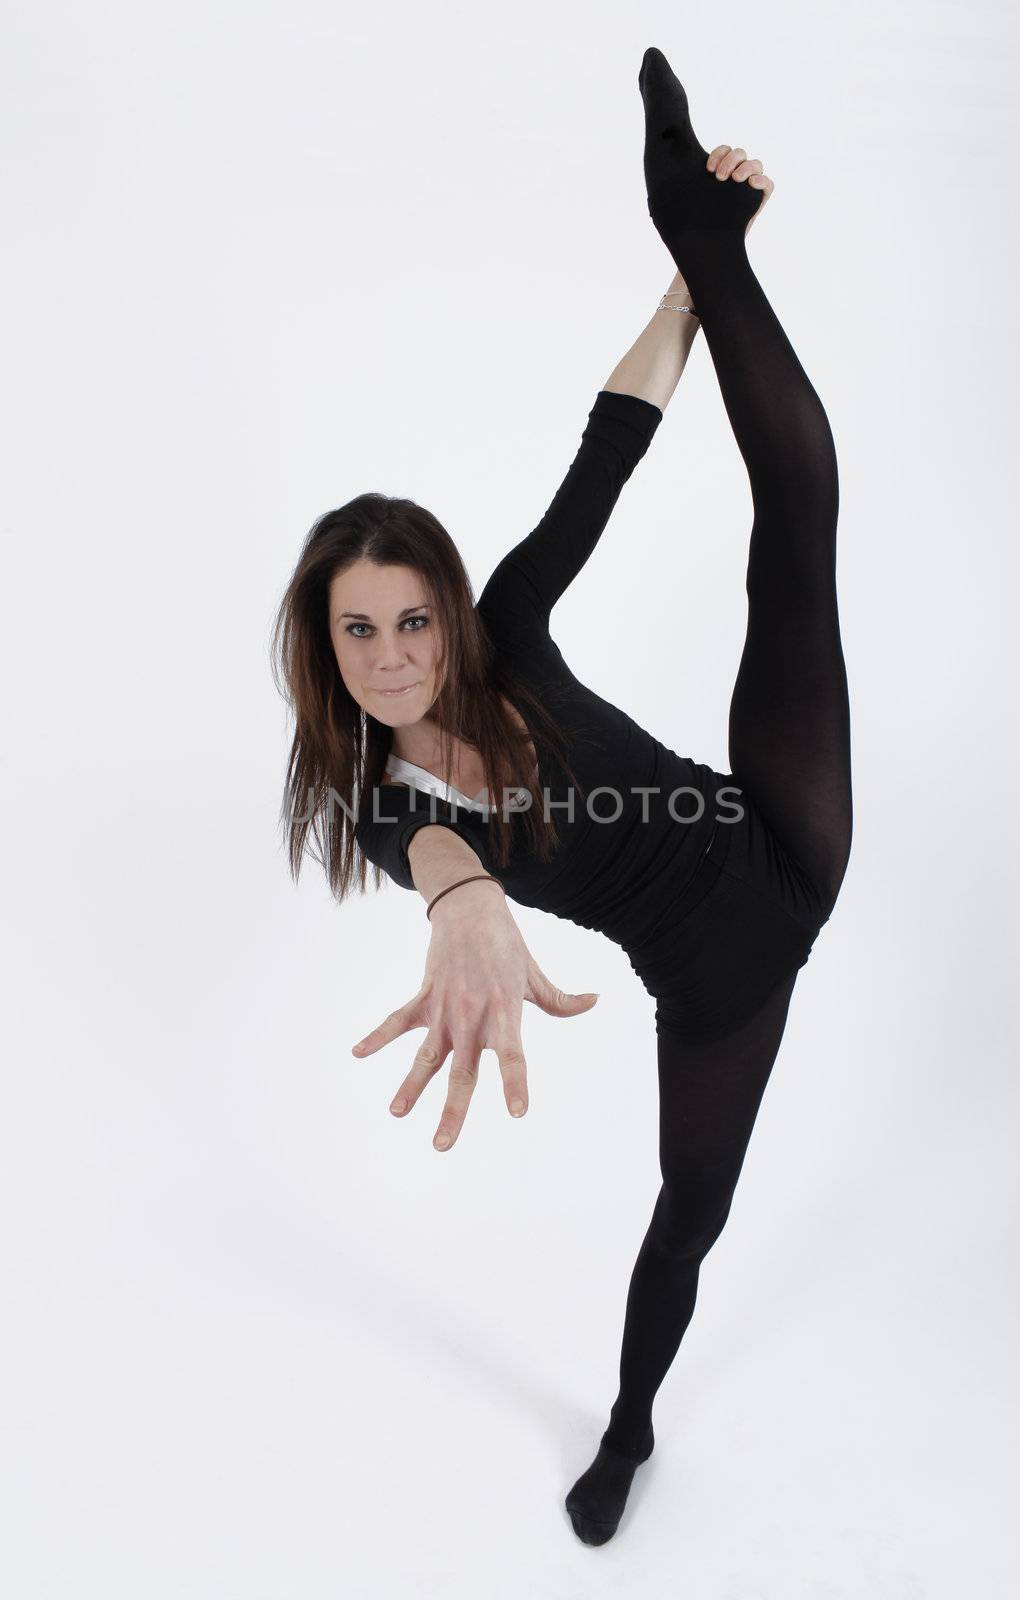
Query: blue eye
[352,625]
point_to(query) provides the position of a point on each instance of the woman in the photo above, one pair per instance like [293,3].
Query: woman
[715,884]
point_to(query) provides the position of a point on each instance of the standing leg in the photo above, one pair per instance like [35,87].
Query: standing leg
[789,718]
[709,1096]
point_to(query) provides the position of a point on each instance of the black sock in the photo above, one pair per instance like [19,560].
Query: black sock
[700,218]
[597,1500]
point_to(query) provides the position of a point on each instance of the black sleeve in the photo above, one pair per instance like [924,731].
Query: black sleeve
[533,575]
[386,826]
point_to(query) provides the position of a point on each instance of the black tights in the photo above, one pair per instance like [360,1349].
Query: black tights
[789,729]
[709,1096]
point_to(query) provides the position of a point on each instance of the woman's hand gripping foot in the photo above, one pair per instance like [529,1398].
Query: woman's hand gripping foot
[685,188]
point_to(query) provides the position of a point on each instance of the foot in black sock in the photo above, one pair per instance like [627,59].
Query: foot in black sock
[597,1500]
[684,198]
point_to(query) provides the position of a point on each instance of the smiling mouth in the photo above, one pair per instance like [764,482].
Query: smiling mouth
[394,692]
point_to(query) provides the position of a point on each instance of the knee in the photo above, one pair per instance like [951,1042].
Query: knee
[689,1220]
[832,880]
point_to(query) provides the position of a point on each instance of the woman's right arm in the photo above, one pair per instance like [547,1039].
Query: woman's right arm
[478,973]
[438,857]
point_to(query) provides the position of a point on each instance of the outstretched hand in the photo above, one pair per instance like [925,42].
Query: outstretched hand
[478,973]
[727,162]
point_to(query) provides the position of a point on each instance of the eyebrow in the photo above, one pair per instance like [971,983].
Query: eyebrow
[359,616]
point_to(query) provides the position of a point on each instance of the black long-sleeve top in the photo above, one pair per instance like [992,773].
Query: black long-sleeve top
[621,876]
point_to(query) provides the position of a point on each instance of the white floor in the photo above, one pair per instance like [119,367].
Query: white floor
[261,1340]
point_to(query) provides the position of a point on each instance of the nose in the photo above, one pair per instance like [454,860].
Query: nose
[393,654]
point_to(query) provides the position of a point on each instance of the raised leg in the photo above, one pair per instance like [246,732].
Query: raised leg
[789,733]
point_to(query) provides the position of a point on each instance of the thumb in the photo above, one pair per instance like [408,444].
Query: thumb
[555,1001]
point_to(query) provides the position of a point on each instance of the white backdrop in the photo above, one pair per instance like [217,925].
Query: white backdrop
[259,1338]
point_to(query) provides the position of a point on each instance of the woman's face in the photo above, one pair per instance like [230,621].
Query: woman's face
[384,637]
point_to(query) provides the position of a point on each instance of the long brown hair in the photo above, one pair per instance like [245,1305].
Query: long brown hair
[339,749]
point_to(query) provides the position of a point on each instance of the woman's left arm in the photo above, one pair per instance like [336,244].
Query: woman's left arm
[654,364]
[533,575]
